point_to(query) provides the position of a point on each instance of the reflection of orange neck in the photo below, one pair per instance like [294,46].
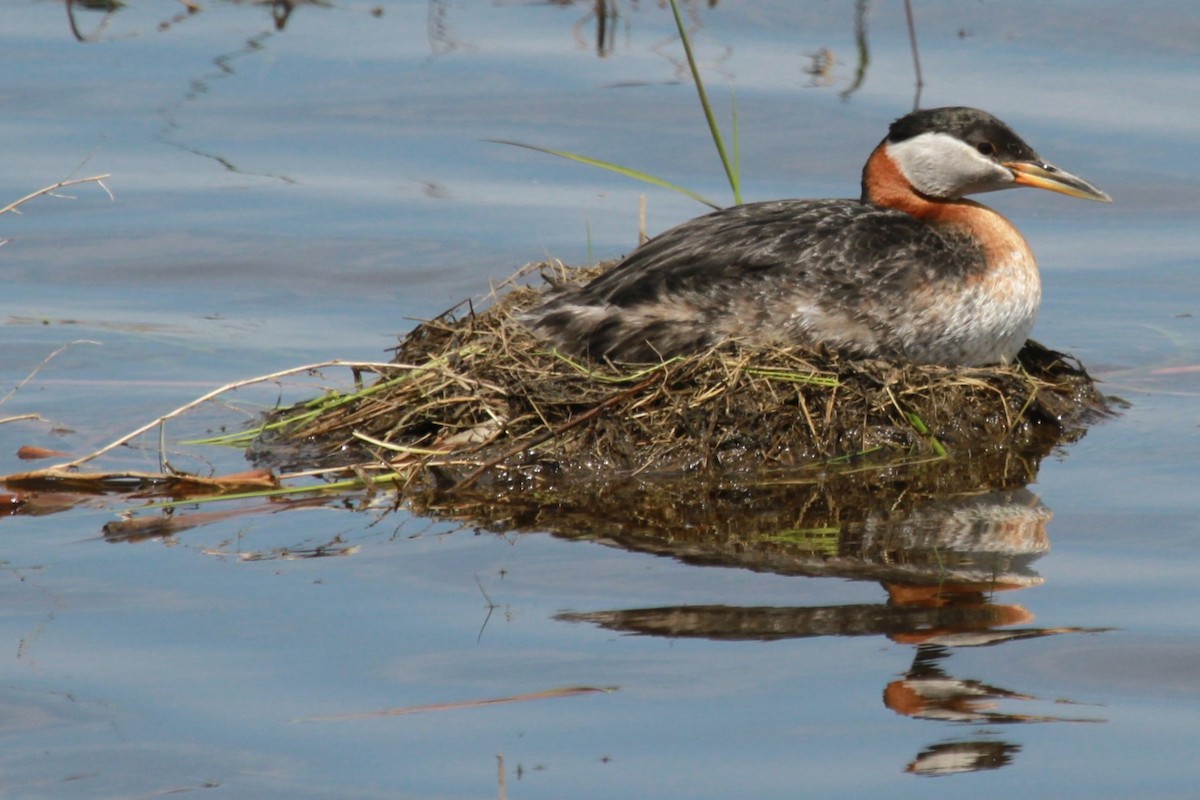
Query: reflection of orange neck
[900,697]
[943,595]
[963,595]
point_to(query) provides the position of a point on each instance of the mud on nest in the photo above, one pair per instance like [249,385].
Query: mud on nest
[475,398]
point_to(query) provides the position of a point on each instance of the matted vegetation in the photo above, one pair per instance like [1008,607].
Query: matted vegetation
[474,397]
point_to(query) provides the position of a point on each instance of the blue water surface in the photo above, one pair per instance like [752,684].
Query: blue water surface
[285,195]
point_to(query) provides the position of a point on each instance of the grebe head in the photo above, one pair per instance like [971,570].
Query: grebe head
[946,153]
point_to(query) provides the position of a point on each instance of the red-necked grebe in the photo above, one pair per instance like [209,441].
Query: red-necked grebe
[911,271]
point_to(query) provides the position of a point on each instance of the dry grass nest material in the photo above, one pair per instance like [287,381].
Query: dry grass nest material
[475,397]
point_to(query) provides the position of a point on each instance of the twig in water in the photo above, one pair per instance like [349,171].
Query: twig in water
[38,369]
[50,190]
[205,398]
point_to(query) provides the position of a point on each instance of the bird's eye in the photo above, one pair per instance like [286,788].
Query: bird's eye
[986,148]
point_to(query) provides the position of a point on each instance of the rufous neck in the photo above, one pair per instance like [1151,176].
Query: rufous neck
[884,184]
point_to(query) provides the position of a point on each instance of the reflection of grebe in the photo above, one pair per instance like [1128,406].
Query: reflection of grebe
[928,692]
[910,271]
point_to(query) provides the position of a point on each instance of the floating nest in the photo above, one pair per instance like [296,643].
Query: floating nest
[788,460]
[476,401]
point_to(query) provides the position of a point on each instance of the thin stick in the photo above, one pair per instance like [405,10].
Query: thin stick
[97,179]
[912,40]
[372,365]
[38,368]
[642,236]
[548,694]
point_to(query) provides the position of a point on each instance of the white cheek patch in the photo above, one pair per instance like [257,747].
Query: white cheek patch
[939,165]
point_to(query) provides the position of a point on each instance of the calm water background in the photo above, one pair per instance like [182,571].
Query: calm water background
[285,196]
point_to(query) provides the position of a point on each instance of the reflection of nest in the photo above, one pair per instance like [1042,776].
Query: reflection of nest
[784,460]
[478,397]
[840,525]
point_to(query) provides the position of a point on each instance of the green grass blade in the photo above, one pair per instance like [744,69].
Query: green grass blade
[617,168]
[923,429]
[594,375]
[737,141]
[813,378]
[730,171]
